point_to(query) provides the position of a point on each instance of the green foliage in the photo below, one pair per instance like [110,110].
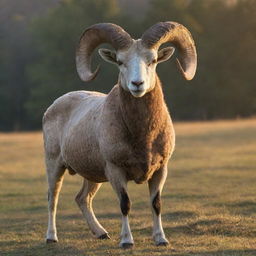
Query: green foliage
[224,35]
[56,36]
[37,62]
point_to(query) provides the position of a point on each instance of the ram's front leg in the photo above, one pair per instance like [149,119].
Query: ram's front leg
[156,184]
[118,180]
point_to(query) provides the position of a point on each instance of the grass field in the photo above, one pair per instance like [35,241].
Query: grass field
[209,200]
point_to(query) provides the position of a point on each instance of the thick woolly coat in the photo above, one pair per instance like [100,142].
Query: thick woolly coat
[85,130]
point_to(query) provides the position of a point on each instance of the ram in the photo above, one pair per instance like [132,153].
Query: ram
[126,135]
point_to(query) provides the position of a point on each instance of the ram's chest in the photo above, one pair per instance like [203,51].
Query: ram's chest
[141,158]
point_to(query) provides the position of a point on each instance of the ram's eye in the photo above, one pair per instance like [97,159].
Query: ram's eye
[119,63]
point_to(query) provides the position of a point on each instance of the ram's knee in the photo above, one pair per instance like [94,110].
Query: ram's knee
[79,199]
[125,203]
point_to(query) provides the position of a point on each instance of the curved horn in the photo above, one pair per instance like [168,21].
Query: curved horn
[177,34]
[91,38]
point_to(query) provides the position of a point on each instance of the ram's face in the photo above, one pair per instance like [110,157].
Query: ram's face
[137,69]
[137,66]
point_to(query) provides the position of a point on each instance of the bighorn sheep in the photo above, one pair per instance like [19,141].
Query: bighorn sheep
[122,136]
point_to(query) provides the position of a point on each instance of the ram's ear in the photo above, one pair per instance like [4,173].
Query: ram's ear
[108,55]
[165,54]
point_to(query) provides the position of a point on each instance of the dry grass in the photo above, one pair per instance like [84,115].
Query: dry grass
[209,199]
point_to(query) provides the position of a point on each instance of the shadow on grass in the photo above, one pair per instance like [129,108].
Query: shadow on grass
[213,227]
[250,252]
[35,208]
[180,215]
[43,249]
[109,216]
[74,216]
[242,207]
[57,250]
[186,196]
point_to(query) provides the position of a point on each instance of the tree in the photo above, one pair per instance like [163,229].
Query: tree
[37,55]
[53,72]
[224,34]
[15,54]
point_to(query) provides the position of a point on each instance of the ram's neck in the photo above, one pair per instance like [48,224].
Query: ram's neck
[146,115]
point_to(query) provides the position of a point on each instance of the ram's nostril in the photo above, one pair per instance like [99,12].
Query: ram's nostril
[137,83]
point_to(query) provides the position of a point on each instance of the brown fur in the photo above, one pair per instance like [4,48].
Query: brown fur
[146,132]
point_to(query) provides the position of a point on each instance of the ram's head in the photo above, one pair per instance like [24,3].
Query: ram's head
[137,59]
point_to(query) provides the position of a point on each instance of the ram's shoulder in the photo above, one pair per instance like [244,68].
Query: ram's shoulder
[67,103]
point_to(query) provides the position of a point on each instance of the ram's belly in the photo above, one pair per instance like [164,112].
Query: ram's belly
[84,158]
[88,166]
[91,171]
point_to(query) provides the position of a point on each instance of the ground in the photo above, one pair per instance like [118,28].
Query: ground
[209,200]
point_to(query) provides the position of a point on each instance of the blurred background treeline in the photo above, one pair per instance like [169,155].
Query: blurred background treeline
[37,49]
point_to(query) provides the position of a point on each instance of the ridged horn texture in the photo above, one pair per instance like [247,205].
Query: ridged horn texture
[93,37]
[180,37]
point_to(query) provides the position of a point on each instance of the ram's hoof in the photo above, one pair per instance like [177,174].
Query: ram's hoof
[51,241]
[104,236]
[126,245]
[162,244]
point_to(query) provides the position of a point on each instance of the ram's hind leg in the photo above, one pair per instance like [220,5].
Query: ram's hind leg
[55,172]
[84,200]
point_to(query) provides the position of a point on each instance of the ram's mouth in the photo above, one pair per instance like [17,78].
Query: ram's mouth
[137,93]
